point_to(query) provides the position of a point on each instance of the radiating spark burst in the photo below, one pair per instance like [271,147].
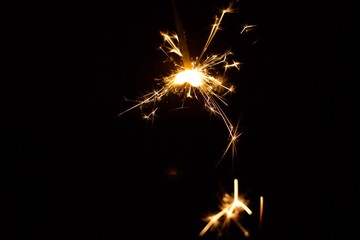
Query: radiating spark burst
[231,208]
[198,79]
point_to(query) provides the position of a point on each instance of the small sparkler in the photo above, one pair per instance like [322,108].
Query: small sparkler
[231,207]
[199,78]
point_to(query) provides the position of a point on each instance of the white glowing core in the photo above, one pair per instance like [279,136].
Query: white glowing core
[193,77]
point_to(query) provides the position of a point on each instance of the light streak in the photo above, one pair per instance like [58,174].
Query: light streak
[197,78]
[247,28]
[261,211]
[231,208]
[261,215]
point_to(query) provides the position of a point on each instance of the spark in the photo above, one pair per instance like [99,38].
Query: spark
[247,28]
[233,139]
[231,208]
[198,78]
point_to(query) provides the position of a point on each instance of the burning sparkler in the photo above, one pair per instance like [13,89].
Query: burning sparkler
[198,78]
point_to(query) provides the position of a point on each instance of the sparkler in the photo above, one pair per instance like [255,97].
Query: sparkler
[198,78]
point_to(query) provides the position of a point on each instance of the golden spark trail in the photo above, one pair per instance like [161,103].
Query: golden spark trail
[215,28]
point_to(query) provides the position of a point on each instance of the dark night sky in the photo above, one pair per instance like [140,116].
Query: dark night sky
[71,169]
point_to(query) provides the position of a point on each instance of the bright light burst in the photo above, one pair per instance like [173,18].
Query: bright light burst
[199,79]
[231,208]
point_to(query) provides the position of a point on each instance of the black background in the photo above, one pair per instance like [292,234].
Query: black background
[72,169]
